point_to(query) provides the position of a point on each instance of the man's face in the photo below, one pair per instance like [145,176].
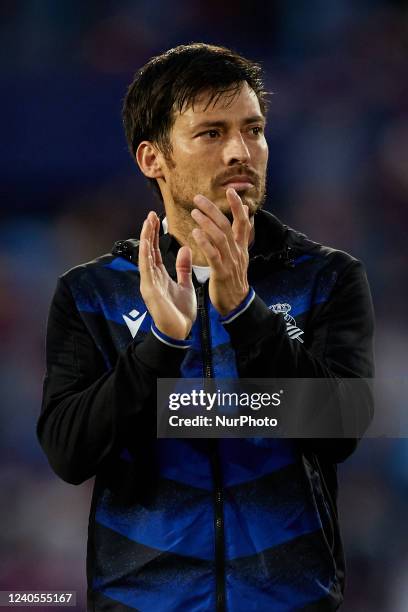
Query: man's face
[215,148]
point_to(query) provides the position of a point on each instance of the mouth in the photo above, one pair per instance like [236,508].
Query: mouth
[239,183]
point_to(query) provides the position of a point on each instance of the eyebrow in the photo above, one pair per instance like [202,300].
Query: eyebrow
[247,121]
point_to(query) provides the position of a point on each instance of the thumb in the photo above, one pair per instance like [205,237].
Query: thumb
[184,267]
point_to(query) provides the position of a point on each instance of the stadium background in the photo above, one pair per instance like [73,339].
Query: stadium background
[338,136]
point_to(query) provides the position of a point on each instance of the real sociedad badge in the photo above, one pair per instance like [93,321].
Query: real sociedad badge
[294,332]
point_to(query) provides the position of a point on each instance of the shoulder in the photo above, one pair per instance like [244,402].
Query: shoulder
[103,265]
[302,244]
[271,235]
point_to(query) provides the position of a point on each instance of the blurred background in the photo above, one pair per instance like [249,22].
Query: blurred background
[338,136]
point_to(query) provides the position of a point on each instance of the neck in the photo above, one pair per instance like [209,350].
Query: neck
[180,225]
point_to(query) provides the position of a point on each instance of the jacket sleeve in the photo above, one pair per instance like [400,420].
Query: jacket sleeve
[340,346]
[85,405]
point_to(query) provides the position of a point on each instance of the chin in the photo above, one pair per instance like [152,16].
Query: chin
[252,206]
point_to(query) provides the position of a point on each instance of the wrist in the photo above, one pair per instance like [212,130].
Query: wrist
[170,340]
[232,305]
[174,326]
[231,313]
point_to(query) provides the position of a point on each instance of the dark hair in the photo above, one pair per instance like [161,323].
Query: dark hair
[171,82]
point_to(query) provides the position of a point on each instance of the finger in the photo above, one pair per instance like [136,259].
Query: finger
[151,223]
[147,231]
[240,224]
[145,260]
[154,219]
[249,225]
[184,267]
[209,209]
[211,253]
[216,235]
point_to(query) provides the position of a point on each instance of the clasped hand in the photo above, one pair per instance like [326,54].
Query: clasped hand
[171,304]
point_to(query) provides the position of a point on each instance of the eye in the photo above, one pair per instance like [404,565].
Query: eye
[210,134]
[256,130]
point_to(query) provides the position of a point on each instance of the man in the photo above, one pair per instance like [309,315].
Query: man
[195,525]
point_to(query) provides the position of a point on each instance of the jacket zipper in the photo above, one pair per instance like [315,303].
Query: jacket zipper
[214,458]
[205,332]
[327,500]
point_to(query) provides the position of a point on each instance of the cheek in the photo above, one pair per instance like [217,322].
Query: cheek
[195,170]
[188,161]
[189,176]
[263,153]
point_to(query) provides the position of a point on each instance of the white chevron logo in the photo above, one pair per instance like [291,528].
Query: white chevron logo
[294,332]
[134,320]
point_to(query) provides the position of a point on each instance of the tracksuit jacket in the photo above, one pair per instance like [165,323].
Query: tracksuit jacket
[198,525]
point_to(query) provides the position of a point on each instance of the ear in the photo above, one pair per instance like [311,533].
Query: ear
[149,160]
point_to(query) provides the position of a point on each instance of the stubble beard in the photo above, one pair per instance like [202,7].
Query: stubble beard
[182,222]
[182,196]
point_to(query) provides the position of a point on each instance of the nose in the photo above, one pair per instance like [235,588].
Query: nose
[236,150]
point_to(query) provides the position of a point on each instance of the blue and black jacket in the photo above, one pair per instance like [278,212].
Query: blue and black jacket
[193,525]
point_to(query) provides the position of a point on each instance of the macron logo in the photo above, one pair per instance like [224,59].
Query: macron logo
[134,320]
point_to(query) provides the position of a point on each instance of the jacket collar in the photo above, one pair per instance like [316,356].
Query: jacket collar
[270,246]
